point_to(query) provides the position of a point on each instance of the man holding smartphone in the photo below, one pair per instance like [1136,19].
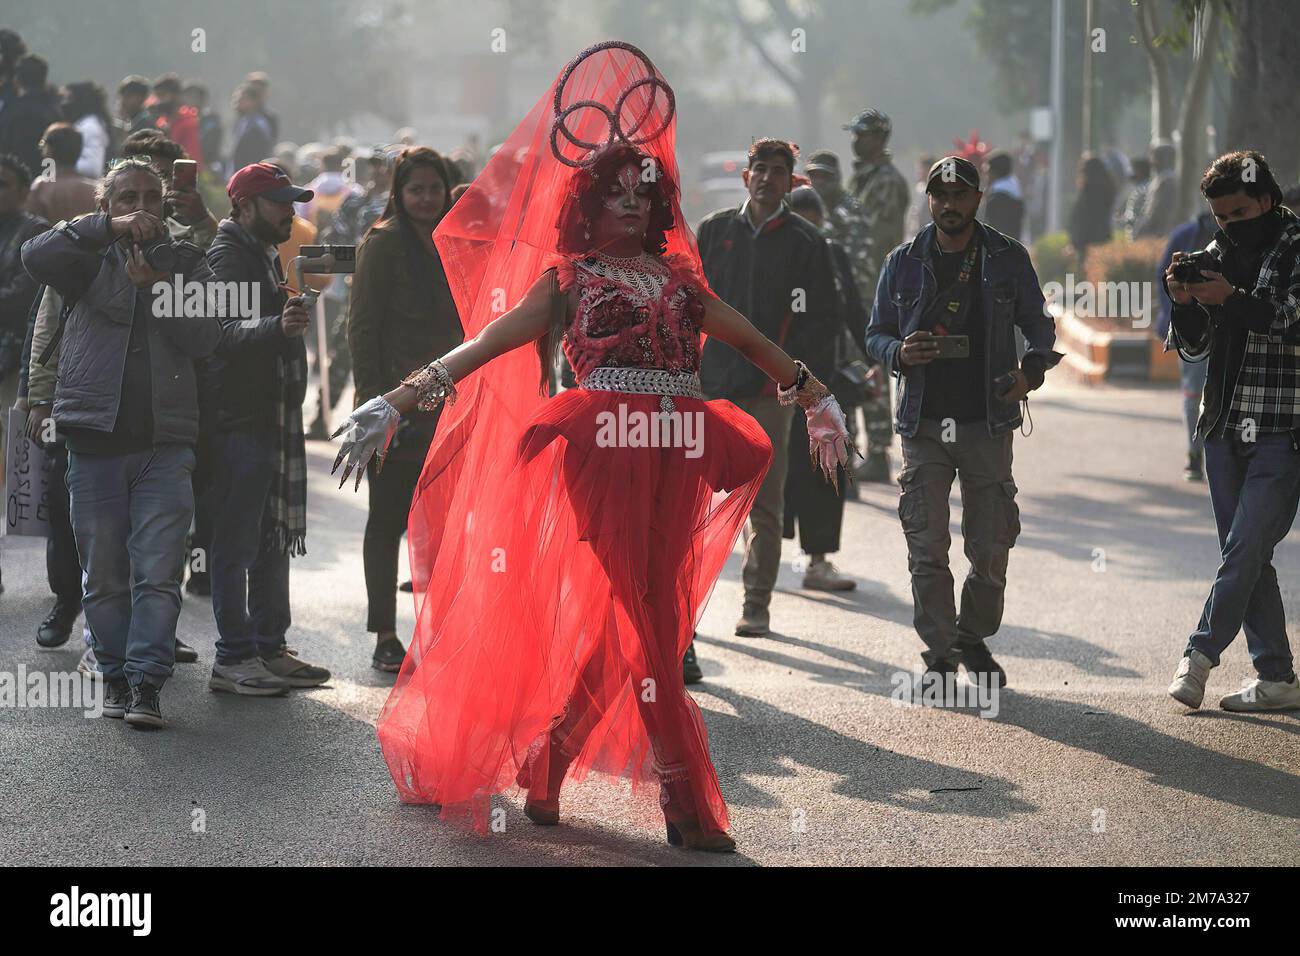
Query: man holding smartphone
[946,309]
[258,497]
[186,214]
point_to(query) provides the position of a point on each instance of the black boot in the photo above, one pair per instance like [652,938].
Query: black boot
[691,673]
[57,626]
[935,683]
[980,665]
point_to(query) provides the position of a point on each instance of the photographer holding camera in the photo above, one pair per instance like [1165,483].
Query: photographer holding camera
[1234,306]
[127,404]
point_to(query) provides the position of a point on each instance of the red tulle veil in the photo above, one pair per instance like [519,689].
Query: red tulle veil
[468,703]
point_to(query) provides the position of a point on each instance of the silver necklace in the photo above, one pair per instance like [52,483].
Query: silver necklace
[626,262]
[637,272]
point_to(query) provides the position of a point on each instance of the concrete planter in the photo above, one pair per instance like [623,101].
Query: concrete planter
[1094,355]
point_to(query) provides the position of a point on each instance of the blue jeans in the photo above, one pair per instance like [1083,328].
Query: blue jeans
[130,515]
[250,580]
[1254,488]
[1192,377]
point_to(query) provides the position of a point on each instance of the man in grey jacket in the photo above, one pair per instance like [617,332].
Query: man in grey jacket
[127,402]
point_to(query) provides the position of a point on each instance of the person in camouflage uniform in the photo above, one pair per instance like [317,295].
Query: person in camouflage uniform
[884,195]
[878,186]
[846,223]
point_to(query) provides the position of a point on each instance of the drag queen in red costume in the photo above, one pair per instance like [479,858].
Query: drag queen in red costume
[563,548]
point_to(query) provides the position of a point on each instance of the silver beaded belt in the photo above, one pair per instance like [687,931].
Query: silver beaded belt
[644,381]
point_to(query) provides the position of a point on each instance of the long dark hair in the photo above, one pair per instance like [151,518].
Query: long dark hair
[408,161]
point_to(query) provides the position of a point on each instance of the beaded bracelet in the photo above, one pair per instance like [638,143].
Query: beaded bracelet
[807,391]
[433,386]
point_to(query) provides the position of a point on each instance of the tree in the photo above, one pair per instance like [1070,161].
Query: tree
[1016,36]
[1266,77]
[1195,38]
[808,79]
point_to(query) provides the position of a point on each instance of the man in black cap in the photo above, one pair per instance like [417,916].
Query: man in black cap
[878,185]
[954,296]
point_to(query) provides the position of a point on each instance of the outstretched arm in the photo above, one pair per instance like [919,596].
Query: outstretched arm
[370,427]
[526,322]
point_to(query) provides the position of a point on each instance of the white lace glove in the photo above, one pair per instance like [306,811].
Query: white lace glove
[828,437]
[367,432]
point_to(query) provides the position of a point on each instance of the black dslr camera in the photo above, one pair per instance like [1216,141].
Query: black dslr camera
[164,255]
[1188,269]
[160,254]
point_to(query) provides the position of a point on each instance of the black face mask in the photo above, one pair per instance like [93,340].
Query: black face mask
[1249,235]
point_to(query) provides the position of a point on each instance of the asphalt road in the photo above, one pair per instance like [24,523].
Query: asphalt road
[1087,761]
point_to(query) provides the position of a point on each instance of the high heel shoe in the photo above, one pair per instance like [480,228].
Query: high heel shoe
[543,803]
[545,813]
[683,824]
[688,835]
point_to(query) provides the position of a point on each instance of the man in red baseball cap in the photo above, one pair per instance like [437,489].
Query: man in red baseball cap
[258,495]
[269,196]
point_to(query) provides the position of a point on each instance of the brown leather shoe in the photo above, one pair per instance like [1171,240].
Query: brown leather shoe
[754,620]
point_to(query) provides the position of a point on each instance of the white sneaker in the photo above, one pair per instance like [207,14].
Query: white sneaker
[1188,687]
[88,665]
[824,576]
[250,678]
[1264,695]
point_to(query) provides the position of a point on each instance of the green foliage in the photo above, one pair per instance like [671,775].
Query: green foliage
[1122,260]
[1050,259]
[1179,37]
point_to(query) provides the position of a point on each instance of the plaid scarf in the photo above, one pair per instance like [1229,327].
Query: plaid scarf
[288,501]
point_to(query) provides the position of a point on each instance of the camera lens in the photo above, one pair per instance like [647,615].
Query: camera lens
[161,255]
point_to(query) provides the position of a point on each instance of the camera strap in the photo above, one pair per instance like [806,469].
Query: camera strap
[48,351]
[951,306]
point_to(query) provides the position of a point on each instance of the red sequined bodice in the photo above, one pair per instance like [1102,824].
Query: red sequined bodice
[632,314]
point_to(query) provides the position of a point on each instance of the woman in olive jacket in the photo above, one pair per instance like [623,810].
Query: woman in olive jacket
[402,316]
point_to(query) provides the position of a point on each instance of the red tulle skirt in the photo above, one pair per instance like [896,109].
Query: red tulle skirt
[553,623]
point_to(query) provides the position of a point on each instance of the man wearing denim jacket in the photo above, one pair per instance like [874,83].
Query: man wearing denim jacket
[958,408]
